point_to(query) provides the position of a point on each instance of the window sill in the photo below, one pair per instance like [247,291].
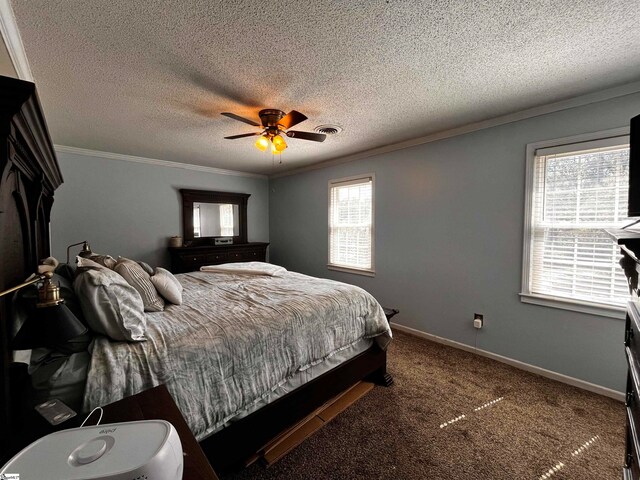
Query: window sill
[357,271]
[574,305]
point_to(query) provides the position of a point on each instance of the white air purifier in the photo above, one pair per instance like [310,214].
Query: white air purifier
[144,450]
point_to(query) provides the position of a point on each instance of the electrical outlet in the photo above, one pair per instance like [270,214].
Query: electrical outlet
[478,320]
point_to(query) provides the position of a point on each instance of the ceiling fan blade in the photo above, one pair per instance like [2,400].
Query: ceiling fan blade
[233,137]
[240,119]
[315,137]
[290,119]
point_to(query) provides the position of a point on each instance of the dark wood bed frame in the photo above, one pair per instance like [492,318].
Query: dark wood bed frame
[30,175]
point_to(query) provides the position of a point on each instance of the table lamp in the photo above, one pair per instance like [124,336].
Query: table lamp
[51,322]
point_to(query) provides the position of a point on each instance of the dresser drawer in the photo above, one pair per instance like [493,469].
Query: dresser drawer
[632,467]
[198,260]
[632,399]
[632,328]
[248,256]
[216,258]
[193,258]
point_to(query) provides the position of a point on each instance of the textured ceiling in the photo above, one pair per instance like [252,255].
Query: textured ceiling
[150,78]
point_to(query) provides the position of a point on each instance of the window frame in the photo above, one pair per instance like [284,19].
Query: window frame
[370,272]
[526,296]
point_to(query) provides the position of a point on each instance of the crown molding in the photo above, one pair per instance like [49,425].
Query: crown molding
[13,41]
[151,161]
[595,97]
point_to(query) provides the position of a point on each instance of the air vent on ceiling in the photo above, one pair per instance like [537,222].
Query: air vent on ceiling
[328,129]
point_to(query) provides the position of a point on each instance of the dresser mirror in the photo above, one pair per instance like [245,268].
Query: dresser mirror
[208,215]
[216,220]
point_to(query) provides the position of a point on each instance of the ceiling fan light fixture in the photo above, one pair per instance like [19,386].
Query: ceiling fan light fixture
[262,143]
[278,143]
[274,150]
[275,126]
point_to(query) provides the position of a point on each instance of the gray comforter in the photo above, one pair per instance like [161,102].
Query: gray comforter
[234,339]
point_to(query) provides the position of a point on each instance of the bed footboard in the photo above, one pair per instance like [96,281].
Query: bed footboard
[382,377]
[231,447]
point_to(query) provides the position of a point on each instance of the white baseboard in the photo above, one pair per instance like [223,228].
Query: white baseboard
[576,382]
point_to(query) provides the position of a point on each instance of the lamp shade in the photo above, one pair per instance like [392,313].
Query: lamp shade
[48,326]
[278,143]
[262,143]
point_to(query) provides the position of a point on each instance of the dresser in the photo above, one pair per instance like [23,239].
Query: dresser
[190,259]
[630,262]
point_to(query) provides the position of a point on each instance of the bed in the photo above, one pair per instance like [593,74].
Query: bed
[237,343]
[30,175]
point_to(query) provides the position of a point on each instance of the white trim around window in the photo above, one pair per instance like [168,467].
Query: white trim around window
[346,182]
[558,147]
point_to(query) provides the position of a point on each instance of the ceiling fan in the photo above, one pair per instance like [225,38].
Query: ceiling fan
[274,124]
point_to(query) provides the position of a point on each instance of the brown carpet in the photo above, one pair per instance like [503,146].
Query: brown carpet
[395,433]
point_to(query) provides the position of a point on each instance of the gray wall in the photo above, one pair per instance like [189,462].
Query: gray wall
[130,209]
[449,228]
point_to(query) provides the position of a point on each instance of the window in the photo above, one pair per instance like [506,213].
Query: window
[351,224]
[196,221]
[226,220]
[575,191]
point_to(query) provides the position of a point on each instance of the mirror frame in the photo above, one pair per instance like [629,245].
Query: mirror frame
[207,196]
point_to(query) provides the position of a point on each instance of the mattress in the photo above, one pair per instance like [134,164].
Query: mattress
[236,343]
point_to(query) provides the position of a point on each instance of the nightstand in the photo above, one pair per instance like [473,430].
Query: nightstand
[157,403]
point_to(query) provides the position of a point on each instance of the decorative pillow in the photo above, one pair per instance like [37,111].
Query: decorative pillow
[139,279]
[146,267]
[49,264]
[167,285]
[84,262]
[110,305]
[104,260]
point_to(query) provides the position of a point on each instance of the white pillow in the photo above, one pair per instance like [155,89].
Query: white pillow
[167,285]
[110,305]
[86,262]
[104,260]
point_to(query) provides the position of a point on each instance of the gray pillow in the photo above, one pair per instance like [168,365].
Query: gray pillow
[146,267]
[140,280]
[167,285]
[110,305]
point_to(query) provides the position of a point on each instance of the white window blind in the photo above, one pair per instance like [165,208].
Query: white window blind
[351,223]
[579,190]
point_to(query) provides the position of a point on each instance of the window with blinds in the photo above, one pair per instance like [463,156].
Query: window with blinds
[578,191]
[351,224]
